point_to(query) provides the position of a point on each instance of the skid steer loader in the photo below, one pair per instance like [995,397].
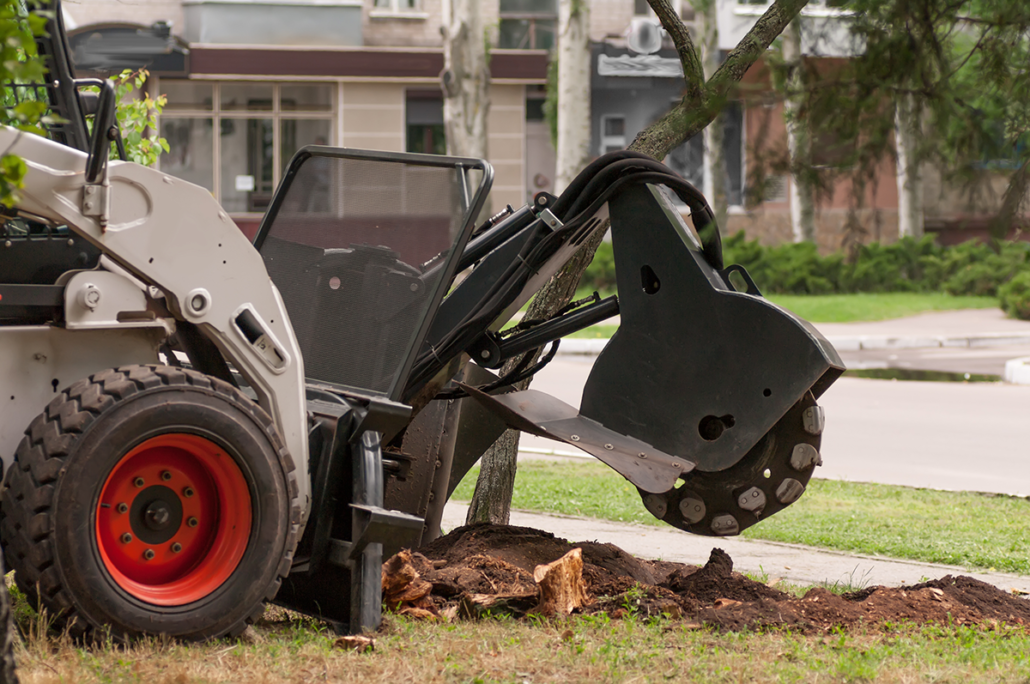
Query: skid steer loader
[193,425]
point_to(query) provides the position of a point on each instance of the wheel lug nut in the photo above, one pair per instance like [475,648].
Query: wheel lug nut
[126,538]
[166,476]
[187,492]
[122,508]
[176,547]
[192,522]
[138,482]
[148,554]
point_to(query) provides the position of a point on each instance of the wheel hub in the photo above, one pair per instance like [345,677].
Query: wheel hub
[156,514]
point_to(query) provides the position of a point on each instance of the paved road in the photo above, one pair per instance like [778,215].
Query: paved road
[923,434]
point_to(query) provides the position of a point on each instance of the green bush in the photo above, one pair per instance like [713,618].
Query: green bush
[600,274]
[1015,296]
[908,265]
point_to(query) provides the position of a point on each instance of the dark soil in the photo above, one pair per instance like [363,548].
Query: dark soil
[489,568]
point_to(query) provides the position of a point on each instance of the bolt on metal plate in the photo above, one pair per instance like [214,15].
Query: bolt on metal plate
[724,525]
[789,491]
[753,500]
[656,505]
[813,420]
[803,456]
[692,509]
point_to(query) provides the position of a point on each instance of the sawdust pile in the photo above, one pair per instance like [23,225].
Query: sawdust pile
[489,569]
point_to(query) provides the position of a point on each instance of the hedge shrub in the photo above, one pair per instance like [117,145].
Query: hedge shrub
[908,265]
[1015,296]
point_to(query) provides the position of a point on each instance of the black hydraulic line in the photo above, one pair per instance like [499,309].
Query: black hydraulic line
[580,182]
[494,236]
[518,273]
[556,328]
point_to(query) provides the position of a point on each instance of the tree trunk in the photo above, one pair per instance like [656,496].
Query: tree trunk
[715,153]
[702,102]
[573,91]
[491,501]
[465,79]
[910,183]
[799,140]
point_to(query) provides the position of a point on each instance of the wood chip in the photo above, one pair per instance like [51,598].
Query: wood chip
[417,613]
[361,644]
[721,603]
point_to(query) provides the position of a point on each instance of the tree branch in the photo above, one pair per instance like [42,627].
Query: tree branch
[697,108]
[693,72]
[752,46]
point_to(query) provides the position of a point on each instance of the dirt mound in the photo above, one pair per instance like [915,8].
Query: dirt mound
[489,568]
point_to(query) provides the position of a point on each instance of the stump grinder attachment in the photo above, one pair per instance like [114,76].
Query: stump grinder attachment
[198,424]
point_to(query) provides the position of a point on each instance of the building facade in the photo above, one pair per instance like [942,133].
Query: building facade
[249,82]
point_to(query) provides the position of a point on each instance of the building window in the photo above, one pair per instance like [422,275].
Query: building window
[423,118]
[688,158]
[613,133]
[236,139]
[527,24]
[396,5]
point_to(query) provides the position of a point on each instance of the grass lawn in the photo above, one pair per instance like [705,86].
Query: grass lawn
[958,528]
[876,307]
[849,308]
[577,649]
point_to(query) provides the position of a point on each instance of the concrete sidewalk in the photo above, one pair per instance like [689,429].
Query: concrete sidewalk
[792,563]
[964,329]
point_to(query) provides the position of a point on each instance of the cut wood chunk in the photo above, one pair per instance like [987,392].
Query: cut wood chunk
[404,591]
[358,643]
[561,584]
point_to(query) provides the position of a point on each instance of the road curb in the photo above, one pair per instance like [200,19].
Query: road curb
[1017,371]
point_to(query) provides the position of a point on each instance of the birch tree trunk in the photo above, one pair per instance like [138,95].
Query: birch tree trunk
[491,501]
[799,140]
[703,100]
[910,184]
[715,152]
[573,91]
[465,79]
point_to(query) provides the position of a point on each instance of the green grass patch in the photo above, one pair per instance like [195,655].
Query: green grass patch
[958,528]
[848,308]
[283,648]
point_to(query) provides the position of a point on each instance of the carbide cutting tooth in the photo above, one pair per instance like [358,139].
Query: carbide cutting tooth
[724,525]
[813,420]
[656,505]
[692,509]
[803,456]
[753,500]
[789,491]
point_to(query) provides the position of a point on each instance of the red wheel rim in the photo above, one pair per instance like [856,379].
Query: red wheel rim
[173,520]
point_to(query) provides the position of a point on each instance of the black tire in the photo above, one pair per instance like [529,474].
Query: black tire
[8,634]
[55,528]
